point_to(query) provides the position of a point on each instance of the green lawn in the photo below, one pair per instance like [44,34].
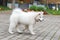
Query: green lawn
[54,12]
[2,8]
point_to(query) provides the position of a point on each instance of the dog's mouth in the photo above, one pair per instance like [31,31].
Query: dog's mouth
[41,19]
[37,20]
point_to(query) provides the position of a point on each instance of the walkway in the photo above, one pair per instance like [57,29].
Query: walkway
[49,29]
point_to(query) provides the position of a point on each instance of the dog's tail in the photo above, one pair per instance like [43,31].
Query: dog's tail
[17,10]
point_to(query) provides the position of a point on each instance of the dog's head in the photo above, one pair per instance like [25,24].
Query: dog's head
[39,16]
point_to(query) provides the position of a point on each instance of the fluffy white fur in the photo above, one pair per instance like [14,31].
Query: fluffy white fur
[26,18]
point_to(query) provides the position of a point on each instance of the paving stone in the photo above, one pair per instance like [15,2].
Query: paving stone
[49,29]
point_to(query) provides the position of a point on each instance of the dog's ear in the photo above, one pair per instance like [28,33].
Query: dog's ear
[41,12]
[36,18]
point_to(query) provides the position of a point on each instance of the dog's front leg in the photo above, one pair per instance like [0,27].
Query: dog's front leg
[18,30]
[26,27]
[31,29]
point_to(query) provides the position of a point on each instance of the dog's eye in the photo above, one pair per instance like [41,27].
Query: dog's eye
[39,13]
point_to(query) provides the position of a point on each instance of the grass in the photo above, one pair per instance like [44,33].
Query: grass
[54,12]
[2,8]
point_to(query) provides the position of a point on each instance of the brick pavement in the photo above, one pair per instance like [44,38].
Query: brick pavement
[49,29]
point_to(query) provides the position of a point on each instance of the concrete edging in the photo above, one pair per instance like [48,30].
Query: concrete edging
[6,11]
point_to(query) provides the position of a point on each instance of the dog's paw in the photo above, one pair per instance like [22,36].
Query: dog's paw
[20,31]
[33,33]
[11,32]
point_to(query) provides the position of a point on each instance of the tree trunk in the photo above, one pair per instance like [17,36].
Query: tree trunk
[47,3]
[13,4]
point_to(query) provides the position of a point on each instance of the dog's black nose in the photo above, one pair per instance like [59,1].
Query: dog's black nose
[41,20]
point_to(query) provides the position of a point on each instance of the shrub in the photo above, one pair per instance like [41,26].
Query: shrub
[40,9]
[33,7]
[47,10]
[36,8]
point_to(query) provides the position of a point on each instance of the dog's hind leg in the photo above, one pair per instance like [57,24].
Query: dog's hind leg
[13,23]
[11,27]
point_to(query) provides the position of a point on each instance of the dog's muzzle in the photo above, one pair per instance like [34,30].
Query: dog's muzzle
[41,19]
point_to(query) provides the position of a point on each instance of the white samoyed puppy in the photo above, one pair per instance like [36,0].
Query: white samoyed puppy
[26,18]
